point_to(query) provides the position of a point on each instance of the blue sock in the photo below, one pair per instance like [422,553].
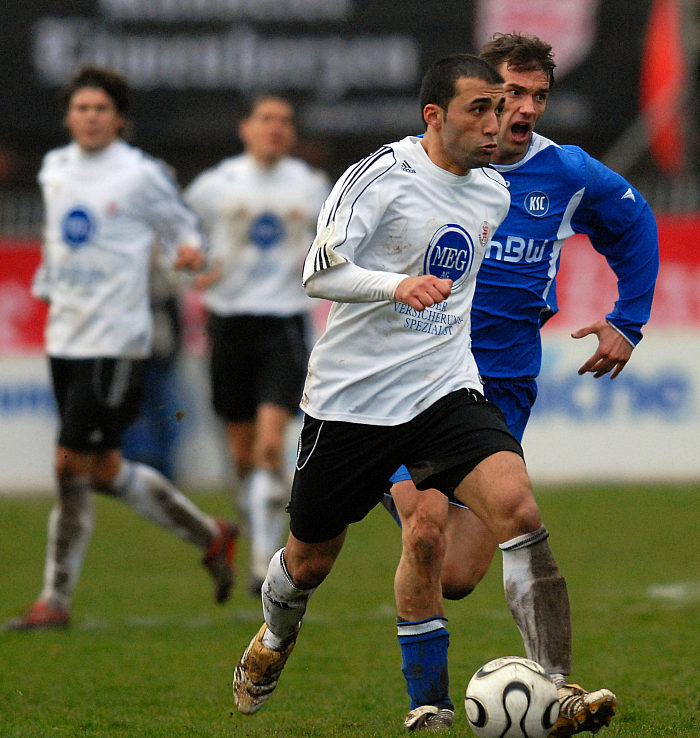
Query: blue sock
[424,661]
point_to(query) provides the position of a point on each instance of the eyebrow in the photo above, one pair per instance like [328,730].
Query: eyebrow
[515,86]
[481,100]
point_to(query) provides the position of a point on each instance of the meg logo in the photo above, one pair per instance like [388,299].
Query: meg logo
[266,231]
[78,226]
[450,254]
[537,203]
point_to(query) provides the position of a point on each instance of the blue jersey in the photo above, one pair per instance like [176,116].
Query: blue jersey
[557,191]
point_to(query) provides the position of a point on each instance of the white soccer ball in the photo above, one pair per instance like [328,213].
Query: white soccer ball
[511,697]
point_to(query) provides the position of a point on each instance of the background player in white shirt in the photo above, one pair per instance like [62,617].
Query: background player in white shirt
[515,295]
[105,204]
[399,244]
[259,209]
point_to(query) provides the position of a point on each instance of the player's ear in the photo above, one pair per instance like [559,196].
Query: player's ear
[243,127]
[432,115]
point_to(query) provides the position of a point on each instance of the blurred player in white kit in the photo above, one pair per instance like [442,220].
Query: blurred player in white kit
[259,209]
[106,202]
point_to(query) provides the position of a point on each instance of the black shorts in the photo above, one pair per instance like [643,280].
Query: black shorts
[256,359]
[343,469]
[97,399]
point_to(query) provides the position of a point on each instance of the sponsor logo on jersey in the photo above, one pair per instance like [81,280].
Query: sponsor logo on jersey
[516,249]
[406,167]
[266,231]
[484,234]
[537,203]
[629,195]
[78,226]
[450,254]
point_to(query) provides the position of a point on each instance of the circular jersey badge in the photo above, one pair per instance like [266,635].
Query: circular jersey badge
[266,231]
[78,226]
[537,203]
[450,254]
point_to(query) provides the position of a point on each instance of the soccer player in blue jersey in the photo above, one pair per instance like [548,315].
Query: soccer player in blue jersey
[556,191]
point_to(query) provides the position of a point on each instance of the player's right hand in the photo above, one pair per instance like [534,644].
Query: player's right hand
[422,292]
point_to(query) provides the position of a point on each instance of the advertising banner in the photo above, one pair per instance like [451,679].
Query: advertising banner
[352,68]
[642,425]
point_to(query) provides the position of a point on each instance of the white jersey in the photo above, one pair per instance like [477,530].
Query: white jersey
[103,212]
[392,215]
[260,221]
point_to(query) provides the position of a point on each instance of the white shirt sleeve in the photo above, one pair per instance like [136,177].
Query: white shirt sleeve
[175,222]
[348,282]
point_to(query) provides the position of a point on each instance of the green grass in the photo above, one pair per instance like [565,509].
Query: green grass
[149,653]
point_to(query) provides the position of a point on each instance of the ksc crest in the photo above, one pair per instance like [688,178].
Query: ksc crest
[537,203]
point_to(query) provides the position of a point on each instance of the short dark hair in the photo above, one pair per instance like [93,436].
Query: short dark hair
[114,83]
[439,83]
[520,51]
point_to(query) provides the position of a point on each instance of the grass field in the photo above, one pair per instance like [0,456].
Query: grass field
[149,653]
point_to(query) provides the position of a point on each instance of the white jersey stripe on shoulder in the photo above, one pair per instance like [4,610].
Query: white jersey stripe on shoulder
[354,182]
[355,173]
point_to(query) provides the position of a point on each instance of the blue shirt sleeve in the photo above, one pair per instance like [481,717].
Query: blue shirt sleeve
[621,227]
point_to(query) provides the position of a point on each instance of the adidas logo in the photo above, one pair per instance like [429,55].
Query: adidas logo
[629,195]
[406,167]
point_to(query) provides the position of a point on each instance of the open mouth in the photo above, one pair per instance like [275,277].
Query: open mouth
[520,132]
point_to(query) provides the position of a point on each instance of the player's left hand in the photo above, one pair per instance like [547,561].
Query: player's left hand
[189,257]
[613,353]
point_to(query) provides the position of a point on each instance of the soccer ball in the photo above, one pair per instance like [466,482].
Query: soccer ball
[511,697]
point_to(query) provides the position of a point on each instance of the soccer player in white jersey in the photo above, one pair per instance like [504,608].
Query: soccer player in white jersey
[260,211]
[399,244]
[515,295]
[105,204]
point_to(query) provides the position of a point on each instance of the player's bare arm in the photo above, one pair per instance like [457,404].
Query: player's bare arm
[422,292]
[613,352]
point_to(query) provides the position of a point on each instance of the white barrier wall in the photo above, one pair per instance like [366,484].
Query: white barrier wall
[644,425]
[28,428]
[27,425]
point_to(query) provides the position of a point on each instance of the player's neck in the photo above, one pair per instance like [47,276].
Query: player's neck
[265,162]
[89,151]
[512,156]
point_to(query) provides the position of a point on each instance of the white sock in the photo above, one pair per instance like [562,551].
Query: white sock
[70,527]
[266,517]
[283,604]
[558,679]
[538,600]
[150,494]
